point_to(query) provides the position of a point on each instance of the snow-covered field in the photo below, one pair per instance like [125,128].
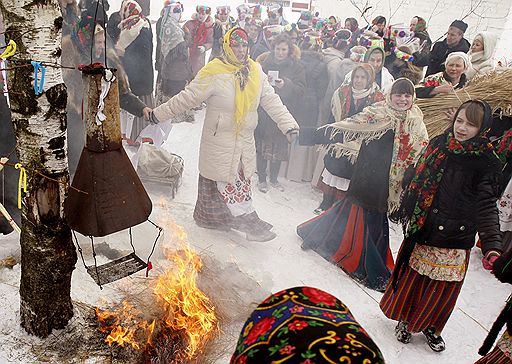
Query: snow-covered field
[268,267]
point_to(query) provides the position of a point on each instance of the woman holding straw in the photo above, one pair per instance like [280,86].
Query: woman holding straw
[454,77]
[233,86]
[385,138]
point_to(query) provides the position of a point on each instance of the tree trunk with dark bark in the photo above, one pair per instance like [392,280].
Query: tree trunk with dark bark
[48,255]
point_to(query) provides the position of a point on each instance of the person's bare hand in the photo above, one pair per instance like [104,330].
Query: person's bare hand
[444,88]
[450,114]
[147,111]
[279,83]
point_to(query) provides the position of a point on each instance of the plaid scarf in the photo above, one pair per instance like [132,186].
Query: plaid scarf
[420,194]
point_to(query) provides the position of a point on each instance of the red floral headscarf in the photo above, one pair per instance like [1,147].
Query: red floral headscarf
[304,325]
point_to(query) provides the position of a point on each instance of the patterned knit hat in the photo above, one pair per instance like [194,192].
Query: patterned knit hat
[270,31]
[304,325]
[203,9]
[357,53]
[238,36]
[242,9]
[223,10]
[341,39]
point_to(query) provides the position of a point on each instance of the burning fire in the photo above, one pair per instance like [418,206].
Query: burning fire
[184,310]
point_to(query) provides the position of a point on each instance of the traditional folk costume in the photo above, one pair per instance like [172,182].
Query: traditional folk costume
[304,325]
[201,37]
[426,87]
[502,352]
[135,49]
[354,233]
[382,76]
[227,157]
[220,28]
[346,102]
[451,197]
[172,59]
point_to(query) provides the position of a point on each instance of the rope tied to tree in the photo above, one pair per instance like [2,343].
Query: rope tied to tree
[22,182]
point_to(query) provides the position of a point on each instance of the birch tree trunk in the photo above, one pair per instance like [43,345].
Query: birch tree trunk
[48,255]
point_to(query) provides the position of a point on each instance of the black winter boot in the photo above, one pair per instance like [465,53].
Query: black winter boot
[401,333]
[435,342]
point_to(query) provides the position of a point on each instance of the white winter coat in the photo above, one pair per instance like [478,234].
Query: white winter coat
[483,62]
[221,148]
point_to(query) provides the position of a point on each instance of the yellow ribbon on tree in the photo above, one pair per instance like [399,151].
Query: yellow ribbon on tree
[22,182]
[10,49]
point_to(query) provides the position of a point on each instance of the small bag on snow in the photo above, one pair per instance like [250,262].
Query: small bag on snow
[158,165]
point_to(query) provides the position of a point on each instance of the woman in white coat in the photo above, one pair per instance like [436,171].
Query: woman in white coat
[233,86]
[481,54]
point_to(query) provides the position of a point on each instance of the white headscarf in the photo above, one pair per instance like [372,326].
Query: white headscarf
[483,62]
[461,55]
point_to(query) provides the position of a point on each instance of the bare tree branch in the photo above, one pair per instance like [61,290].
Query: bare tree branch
[433,11]
[397,7]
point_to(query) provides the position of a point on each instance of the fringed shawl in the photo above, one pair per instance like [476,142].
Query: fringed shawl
[371,124]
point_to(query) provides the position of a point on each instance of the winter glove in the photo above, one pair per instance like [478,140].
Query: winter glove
[489,259]
[292,136]
[201,49]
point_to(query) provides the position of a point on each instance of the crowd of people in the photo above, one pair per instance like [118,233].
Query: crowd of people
[273,92]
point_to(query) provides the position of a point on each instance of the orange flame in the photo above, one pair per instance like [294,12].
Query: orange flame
[186,309]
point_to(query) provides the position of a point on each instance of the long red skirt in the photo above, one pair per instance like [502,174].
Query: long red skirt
[495,357]
[420,301]
[355,239]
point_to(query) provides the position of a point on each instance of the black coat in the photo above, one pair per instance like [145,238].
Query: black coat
[440,51]
[138,63]
[465,203]
[316,84]
[342,167]
[291,71]
[369,184]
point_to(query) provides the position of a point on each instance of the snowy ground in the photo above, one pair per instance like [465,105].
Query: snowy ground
[271,266]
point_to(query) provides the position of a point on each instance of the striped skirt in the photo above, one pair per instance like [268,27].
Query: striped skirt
[420,301]
[212,212]
[355,239]
[495,357]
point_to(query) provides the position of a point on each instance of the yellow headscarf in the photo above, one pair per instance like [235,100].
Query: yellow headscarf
[245,74]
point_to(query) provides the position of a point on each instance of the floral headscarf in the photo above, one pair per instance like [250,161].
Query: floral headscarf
[131,14]
[342,99]
[171,34]
[421,26]
[131,24]
[246,74]
[304,325]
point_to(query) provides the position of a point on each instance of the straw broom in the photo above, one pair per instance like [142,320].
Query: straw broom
[494,87]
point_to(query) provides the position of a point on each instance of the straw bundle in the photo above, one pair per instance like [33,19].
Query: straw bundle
[494,87]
